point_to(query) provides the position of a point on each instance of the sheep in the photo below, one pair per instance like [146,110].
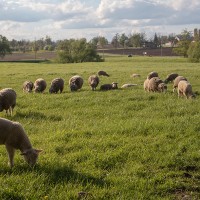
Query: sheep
[170,77]
[13,136]
[57,84]
[27,86]
[135,75]
[7,100]
[155,84]
[185,89]
[127,85]
[151,75]
[102,73]
[40,85]
[146,83]
[93,81]
[177,80]
[75,83]
[109,86]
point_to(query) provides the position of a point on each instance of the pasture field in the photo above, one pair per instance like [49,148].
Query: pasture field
[124,144]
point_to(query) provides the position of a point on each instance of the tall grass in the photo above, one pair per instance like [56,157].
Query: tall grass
[120,144]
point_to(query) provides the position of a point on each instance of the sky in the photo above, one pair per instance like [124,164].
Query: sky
[65,19]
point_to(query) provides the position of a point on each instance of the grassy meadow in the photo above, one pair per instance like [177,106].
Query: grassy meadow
[124,144]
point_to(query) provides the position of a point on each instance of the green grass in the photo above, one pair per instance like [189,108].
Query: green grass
[120,144]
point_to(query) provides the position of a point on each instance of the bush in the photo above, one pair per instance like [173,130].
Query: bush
[194,52]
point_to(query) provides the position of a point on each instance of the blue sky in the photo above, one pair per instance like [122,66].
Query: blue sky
[64,19]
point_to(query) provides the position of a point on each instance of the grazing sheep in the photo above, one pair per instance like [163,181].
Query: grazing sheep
[75,83]
[13,136]
[185,89]
[56,85]
[7,100]
[93,81]
[151,75]
[156,85]
[135,75]
[127,85]
[146,85]
[177,80]
[27,86]
[102,73]
[170,77]
[40,85]
[109,86]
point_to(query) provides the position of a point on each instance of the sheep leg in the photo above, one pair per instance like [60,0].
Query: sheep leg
[10,111]
[11,153]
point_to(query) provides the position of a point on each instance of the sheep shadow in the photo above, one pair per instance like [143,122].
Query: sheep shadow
[56,174]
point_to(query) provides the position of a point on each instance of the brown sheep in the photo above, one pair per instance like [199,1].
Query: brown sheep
[13,136]
[56,85]
[170,77]
[102,73]
[93,81]
[185,89]
[27,86]
[156,85]
[7,100]
[40,85]
[75,83]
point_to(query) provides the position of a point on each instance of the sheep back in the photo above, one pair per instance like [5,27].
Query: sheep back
[177,80]
[151,75]
[170,77]
[40,85]
[57,84]
[153,84]
[27,86]
[127,85]
[93,81]
[7,100]
[75,83]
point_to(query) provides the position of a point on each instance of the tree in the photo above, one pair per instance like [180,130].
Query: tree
[183,44]
[115,40]
[156,41]
[123,39]
[76,51]
[194,51]
[4,46]
[137,39]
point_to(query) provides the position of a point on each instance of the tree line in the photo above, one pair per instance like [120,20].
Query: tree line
[80,50]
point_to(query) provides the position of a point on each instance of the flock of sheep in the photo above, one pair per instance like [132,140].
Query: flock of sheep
[12,134]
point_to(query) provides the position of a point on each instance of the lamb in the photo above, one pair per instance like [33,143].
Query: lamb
[40,85]
[151,75]
[102,73]
[13,136]
[170,77]
[75,83]
[93,81]
[177,80]
[135,75]
[27,86]
[109,86]
[185,89]
[7,100]
[57,84]
[155,84]
[127,85]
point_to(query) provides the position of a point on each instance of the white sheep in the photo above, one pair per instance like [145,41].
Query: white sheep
[185,89]
[7,100]
[56,85]
[151,75]
[93,81]
[155,84]
[135,75]
[13,136]
[127,85]
[40,85]
[146,85]
[177,80]
[102,73]
[27,86]
[75,83]
[109,86]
